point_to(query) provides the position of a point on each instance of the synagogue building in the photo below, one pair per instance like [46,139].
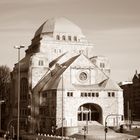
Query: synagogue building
[63,84]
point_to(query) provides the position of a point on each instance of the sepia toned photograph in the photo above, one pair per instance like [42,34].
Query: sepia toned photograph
[70,70]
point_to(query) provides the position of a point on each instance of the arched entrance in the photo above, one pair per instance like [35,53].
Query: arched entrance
[90,112]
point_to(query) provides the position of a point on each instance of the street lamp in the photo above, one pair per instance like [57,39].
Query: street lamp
[106,122]
[62,104]
[18,115]
[62,108]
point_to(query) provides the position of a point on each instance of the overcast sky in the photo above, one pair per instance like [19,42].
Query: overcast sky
[113,26]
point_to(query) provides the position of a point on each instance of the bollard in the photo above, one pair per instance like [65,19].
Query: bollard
[45,135]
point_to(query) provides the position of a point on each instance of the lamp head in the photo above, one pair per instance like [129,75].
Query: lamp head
[19,47]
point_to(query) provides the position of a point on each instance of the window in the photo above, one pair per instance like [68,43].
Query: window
[102,65]
[122,118]
[83,76]
[42,123]
[111,94]
[75,38]
[97,94]
[40,62]
[58,37]
[44,111]
[24,89]
[23,112]
[69,38]
[59,50]
[93,94]
[63,37]
[44,94]
[89,94]
[70,94]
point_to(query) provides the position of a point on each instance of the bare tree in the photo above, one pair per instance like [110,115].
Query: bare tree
[4,81]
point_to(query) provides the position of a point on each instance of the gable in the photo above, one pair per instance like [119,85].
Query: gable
[84,72]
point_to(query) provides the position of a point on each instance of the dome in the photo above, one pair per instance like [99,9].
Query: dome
[58,25]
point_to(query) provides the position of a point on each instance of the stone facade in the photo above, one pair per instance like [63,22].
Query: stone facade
[131,92]
[65,82]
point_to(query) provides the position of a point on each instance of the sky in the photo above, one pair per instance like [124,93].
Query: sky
[113,26]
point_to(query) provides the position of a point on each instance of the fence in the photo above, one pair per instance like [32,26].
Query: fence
[45,137]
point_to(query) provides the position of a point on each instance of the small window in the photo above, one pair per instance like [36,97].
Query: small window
[89,94]
[102,65]
[109,94]
[63,37]
[59,50]
[69,94]
[113,94]
[97,94]
[41,63]
[93,94]
[58,37]
[75,38]
[82,94]
[69,38]
[44,94]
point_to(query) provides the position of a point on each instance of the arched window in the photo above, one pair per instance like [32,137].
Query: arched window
[75,38]
[24,89]
[63,37]
[58,37]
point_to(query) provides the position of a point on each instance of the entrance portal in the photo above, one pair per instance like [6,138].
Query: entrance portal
[90,112]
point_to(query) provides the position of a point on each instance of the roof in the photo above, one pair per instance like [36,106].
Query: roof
[54,76]
[57,72]
[110,85]
[51,80]
[107,84]
[58,25]
[52,63]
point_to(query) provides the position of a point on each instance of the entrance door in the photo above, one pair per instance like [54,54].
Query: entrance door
[89,112]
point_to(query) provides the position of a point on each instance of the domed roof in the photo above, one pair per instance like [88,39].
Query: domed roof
[58,25]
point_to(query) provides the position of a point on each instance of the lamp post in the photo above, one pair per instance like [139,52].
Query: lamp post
[63,67]
[18,90]
[62,109]
[106,122]
[2,101]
